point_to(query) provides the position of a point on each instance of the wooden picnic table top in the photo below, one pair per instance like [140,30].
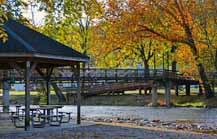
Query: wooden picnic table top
[50,106]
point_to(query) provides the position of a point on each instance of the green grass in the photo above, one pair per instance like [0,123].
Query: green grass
[23,93]
[194,101]
[116,100]
[18,97]
[131,98]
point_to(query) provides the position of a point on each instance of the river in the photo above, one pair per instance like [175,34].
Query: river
[163,114]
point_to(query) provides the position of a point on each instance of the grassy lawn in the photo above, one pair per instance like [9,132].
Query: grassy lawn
[130,98]
[18,97]
[194,101]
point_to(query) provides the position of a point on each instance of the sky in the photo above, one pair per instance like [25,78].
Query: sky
[39,16]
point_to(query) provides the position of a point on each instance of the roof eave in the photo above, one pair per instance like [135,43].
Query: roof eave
[78,59]
[35,55]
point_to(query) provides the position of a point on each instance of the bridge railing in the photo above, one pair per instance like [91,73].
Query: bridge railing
[95,74]
[118,74]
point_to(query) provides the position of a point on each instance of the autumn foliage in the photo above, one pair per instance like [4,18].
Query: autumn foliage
[128,33]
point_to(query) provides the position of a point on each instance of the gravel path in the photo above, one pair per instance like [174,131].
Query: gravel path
[107,132]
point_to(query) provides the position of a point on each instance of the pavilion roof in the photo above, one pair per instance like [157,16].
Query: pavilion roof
[25,42]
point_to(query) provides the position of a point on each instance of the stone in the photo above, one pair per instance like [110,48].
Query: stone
[156,121]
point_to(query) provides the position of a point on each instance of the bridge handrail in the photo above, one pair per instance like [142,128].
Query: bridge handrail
[109,74]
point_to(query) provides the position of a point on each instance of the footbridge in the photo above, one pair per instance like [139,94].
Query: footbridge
[95,81]
[99,81]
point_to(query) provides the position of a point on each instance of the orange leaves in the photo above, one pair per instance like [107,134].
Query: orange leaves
[185,60]
[132,22]
[2,1]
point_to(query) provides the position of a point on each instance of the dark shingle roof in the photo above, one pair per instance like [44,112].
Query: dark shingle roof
[23,40]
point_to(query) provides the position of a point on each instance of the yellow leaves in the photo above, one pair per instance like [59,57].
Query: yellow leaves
[3,18]
[185,60]
[3,35]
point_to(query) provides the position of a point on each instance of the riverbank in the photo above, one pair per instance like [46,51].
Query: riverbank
[112,131]
[178,125]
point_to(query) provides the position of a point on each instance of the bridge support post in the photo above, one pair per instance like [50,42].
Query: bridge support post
[177,89]
[154,95]
[168,93]
[188,87]
[200,90]
[6,96]
[145,91]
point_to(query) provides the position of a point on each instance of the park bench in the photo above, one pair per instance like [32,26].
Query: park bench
[38,121]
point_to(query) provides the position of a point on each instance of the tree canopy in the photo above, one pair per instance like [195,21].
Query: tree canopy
[128,33]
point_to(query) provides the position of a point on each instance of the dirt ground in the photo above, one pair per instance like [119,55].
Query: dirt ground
[100,131]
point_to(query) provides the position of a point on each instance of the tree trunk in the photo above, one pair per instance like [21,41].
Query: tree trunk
[208,91]
[215,62]
[146,68]
[174,63]
[58,92]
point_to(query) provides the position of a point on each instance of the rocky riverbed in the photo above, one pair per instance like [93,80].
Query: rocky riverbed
[197,126]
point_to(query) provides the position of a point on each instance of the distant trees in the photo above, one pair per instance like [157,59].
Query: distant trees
[9,9]
[71,21]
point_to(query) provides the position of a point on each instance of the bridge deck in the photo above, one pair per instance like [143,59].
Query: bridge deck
[107,80]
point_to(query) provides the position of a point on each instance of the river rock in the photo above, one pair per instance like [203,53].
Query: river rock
[156,121]
[179,127]
[203,127]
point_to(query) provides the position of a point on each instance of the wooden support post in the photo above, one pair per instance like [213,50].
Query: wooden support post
[177,89]
[168,93]
[137,74]
[48,92]
[154,95]
[6,96]
[105,71]
[150,90]
[145,91]
[48,84]
[27,95]
[188,89]
[83,77]
[116,75]
[213,86]
[163,61]
[78,94]
[140,91]
[200,90]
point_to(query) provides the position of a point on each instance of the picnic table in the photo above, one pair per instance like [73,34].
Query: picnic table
[45,115]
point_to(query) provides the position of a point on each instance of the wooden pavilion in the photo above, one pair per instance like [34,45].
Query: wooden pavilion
[27,50]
